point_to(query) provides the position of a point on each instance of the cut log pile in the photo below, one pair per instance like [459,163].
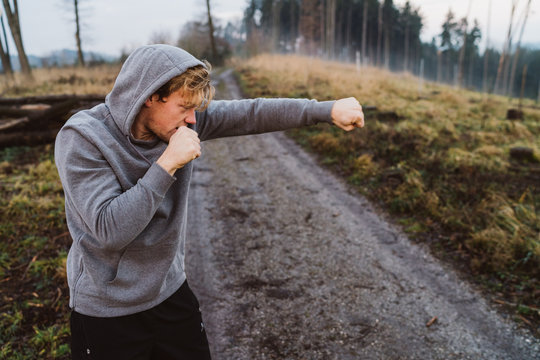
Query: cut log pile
[35,120]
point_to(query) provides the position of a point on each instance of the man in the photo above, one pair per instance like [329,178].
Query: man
[126,166]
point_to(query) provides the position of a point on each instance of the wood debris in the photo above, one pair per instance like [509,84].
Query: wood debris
[35,120]
[431,322]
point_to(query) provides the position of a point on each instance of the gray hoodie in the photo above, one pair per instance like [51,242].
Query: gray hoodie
[126,214]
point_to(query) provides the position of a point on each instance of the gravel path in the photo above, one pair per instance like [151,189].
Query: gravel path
[289,263]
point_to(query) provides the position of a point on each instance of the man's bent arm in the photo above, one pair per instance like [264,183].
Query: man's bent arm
[112,216]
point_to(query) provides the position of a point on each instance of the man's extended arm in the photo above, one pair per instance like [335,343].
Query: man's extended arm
[254,116]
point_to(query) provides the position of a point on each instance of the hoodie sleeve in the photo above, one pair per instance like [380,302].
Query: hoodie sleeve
[254,116]
[97,202]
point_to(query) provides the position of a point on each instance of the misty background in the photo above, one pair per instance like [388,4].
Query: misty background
[487,54]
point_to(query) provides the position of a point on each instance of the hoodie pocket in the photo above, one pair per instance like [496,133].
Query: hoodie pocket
[141,274]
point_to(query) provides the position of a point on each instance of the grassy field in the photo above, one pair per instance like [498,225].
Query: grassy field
[34,311]
[441,167]
[435,157]
[68,80]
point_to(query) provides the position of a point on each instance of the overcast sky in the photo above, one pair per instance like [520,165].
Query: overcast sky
[112,25]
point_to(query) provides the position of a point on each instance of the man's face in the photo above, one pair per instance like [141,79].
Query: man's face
[163,118]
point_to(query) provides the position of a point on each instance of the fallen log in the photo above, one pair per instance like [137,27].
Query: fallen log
[13,123]
[51,99]
[26,138]
[11,111]
[40,118]
[36,120]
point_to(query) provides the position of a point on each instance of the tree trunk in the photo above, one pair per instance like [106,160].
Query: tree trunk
[462,57]
[6,65]
[463,46]
[309,25]
[211,32]
[339,34]
[78,34]
[486,51]
[510,88]
[276,12]
[331,28]
[349,30]
[506,49]
[379,33]
[387,45]
[439,66]
[523,79]
[364,32]
[506,69]
[294,26]
[6,61]
[406,52]
[14,25]
[323,25]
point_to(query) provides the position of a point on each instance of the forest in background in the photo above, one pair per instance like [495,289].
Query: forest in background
[377,33]
[366,32]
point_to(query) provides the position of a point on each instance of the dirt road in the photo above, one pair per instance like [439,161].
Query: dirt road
[289,263]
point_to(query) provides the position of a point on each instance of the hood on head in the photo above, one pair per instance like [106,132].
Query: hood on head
[143,73]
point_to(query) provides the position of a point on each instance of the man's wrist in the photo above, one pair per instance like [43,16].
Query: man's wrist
[171,169]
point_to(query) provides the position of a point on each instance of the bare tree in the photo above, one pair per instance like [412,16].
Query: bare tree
[510,87]
[309,25]
[161,37]
[294,27]
[379,33]
[349,30]
[439,66]
[276,12]
[78,34]
[4,54]
[407,15]
[15,27]
[465,26]
[506,47]
[364,32]
[486,51]
[331,28]
[387,26]
[211,32]
[322,8]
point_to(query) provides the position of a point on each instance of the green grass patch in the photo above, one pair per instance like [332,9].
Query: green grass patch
[34,320]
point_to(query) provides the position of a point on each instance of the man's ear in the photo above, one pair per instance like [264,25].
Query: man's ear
[151,100]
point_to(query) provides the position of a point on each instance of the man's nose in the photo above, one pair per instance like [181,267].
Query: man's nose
[190,119]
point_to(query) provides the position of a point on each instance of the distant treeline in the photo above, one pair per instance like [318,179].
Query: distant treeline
[387,35]
[382,34]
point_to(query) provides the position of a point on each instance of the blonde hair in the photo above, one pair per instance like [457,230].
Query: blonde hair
[194,84]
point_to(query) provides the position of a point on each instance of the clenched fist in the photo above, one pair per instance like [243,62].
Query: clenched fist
[184,146]
[347,114]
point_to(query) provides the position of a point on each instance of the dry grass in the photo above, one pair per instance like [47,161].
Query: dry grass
[68,80]
[443,167]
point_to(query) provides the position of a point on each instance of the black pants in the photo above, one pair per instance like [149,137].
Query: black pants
[171,330]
